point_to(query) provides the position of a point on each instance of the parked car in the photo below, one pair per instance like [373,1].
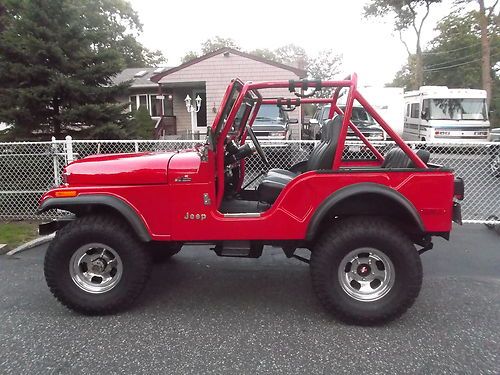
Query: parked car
[495,152]
[273,123]
[360,117]
[495,135]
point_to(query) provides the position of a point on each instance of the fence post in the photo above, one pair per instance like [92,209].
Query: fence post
[55,152]
[136,146]
[69,149]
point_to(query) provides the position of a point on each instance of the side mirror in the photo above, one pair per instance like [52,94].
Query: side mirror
[293,121]
[424,115]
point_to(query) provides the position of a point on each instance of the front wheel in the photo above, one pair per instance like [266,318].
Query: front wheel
[95,266]
[366,271]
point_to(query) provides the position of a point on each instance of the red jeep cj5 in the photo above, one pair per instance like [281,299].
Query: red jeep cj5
[361,219]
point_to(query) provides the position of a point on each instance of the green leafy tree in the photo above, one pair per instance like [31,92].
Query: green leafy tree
[325,66]
[213,44]
[291,54]
[454,58]
[57,59]
[265,53]
[486,16]
[210,45]
[407,14]
[142,125]
[191,55]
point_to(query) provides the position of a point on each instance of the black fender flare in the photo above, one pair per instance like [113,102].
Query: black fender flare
[361,188]
[83,202]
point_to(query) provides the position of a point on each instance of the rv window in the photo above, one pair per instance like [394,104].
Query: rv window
[415,110]
[408,110]
[425,109]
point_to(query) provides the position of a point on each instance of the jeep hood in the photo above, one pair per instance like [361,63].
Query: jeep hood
[119,169]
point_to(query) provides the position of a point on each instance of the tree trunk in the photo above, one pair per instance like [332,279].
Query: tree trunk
[419,69]
[419,66]
[485,51]
[56,121]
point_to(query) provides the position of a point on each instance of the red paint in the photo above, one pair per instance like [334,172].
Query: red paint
[165,188]
[119,169]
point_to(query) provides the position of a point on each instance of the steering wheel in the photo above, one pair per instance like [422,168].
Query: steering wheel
[257,146]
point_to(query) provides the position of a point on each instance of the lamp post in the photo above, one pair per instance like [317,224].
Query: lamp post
[193,110]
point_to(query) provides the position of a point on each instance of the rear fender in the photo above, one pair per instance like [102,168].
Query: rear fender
[348,193]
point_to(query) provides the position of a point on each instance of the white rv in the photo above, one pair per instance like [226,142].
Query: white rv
[389,104]
[440,114]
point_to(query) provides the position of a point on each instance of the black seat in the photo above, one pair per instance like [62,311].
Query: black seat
[396,158]
[318,148]
[321,158]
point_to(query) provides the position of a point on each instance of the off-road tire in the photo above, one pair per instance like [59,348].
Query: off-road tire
[110,231]
[361,232]
[161,252]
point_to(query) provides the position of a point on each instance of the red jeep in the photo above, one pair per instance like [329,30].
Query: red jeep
[361,219]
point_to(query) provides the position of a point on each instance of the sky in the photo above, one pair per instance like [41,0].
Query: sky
[369,47]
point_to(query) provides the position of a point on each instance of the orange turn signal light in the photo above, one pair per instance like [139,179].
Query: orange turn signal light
[66,193]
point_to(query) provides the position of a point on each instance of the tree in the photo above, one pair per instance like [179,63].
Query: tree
[142,125]
[325,66]
[407,14]
[191,55]
[291,54]
[211,45]
[454,58]
[57,60]
[485,18]
[404,77]
[265,53]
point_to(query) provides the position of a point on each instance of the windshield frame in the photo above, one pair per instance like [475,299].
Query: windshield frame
[231,96]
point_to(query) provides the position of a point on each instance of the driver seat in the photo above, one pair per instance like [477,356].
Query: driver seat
[321,158]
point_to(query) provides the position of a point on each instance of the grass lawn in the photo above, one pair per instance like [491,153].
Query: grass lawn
[15,233]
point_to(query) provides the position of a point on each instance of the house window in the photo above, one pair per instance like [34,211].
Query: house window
[415,109]
[155,108]
[133,103]
[143,101]
[153,104]
[168,105]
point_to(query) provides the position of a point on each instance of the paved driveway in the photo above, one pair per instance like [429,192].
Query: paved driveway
[204,314]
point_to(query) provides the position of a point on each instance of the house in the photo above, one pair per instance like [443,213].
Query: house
[163,91]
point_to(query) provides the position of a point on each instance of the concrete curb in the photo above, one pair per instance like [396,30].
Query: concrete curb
[31,244]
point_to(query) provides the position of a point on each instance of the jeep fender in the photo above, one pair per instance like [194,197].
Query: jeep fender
[359,189]
[85,203]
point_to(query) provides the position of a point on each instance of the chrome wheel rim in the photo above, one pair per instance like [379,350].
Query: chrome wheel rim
[95,268]
[366,274]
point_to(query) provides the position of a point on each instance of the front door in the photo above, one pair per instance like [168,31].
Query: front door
[201,116]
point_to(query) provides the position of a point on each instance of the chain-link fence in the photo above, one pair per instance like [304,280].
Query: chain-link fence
[29,169]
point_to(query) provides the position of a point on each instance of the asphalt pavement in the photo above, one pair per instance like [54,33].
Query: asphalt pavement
[202,314]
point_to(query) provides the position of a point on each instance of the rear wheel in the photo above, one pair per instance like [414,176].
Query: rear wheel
[95,266]
[366,271]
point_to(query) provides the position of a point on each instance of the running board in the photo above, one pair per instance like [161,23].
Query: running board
[238,249]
